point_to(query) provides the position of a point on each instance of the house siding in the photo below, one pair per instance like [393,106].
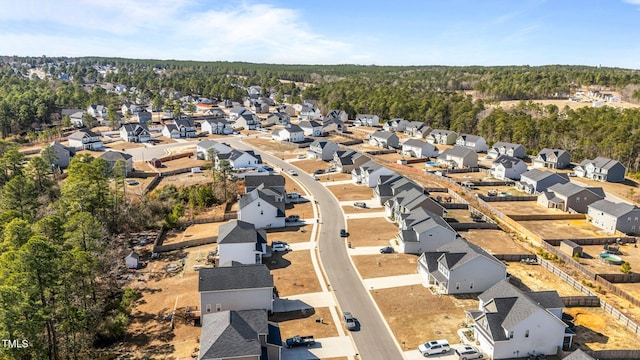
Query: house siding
[475,276]
[243,299]
[546,335]
[244,253]
[261,214]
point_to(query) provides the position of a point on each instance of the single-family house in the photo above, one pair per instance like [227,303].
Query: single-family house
[507,167]
[259,107]
[442,137]
[475,142]
[536,181]
[390,185]
[423,231]
[85,140]
[76,116]
[214,113]
[511,323]
[142,117]
[322,150]
[395,125]
[459,157]
[309,112]
[241,242]
[132,261]
[286,109]
[57,155]
[570,197]
[610,216]
[419,149]
[236,287]
[277,118]
[340,115]
[366,120]
[552,158]
[505,148]
[271,182]
[134,133]
[236,112]
[291,133]
[601,169]
[333,125]
[208,147]
[417,129]
[97,111]
[347,160]
[247,121]
[368,173]
[384,139]
[239,159]
[216,126]
[262,207]
[460,267]
[311,128]
[242,334]
[408,200]
[112,157]
[130,109]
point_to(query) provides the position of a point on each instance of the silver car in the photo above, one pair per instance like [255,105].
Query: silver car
[467,352]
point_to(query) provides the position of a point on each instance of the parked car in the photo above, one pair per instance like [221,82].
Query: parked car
[349,320]
[292,218]
[360,204]
[343,233]
[279,246]
[300,341]
[302,156]
[314,177]
[292,172]
[434,347]
[467,352]
[386,250]
[318,171]
[268,168]
[331,169]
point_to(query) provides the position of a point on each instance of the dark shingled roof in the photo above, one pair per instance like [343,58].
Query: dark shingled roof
[269,181]
[112,156]
[231,334]
[238,231]
[251,276]
[579,355]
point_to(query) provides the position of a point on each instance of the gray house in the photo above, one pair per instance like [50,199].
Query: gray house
[552,158]
[475,142]
[442,137]
[419,149]
[135,133]
[610,216]
[114,156]
[240,241]
[60,155]
[322,150]
[390,185]
[409,200]
[422,231]
[384,139]
[601,169]
[395,125]
[366,120]
[570,197]
[347,160]
[278,118]
[459,157]
[536,181]
[505,148]
[417,129]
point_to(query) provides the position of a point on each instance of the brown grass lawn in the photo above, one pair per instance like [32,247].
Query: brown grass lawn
[597,330]
[305,210]
[305,324]
[371,232]
[282,149]
[291,234]
[291,186]
[183,163]
[522,207]
[494,241]
[563,229]
[195,231]
[123,145]
[186,179]
[537,278]
[389,265]
[415,315]
[347,192]
[310,165]
[293,273]
[459,215]
[334,177]
[350,209]
[629,253]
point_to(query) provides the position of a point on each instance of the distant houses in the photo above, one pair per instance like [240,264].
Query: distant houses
[442,137]
[85,140]
[475,142]
[536,181]
[419,149]
[366,120]
[504,148]
[384,139]
[459,157]
[601,169]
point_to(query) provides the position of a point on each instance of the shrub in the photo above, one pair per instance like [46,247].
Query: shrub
[625,267]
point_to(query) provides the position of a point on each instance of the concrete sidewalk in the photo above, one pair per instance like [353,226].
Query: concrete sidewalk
[392,281]
[368,250]
[339,182]
[366,215]
[303,301]
[302,246]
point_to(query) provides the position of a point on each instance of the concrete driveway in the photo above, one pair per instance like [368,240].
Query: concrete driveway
[332,347]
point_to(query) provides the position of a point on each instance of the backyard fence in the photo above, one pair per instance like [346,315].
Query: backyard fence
[537,217]
[580,301]
[610,354]
[507,198]
[473,225]
[516,257]
[594,241]
[185,244]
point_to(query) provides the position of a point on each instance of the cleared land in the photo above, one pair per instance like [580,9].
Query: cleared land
[310,165]
[293,273]
[523,208]
[349,192]
[193,232]
[371,232]
[592,259]
[597,330]
[563,229]
[284,150]
[494,241]
[291,234]
[334,177]
[628,190]
[304,323]
[350,209]
[537,278]
[380,265]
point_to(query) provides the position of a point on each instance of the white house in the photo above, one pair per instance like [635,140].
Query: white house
[216,126]
[205,147]
[247,121]
[384,139]
[347,160]
[552,158]
[475,142]
[459,157]
[239,241]
[417,129]
[422,231]
[262,207]
[340,115]
[368,173]
[460,267]
[601,169]
[237,287]
[408,200]
[612,217]
[442,137]
[395,125]
[291,133]
[240,159]
[322,150]
[511,323]
[309,112]
[419,149]
[506,167]
[311,128]
[134,133]
[76,116]
[366,120]
[505,148]
[85,140]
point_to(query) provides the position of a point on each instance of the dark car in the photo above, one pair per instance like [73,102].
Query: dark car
[343,233]
[386,250]
[318,171]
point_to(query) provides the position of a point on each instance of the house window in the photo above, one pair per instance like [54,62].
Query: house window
[457,286]
[208,308]
[629,219]
[578,199]
[258,259]
[261,212]
[526,334]
[218,307]
[258,203]
[471,285]
[510,334]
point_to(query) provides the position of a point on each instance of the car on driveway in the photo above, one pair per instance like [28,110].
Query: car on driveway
[279,246]
[344,233]
[360,204]
[318,171]
[386,250]
[434,347]
[466,352]
[349,320]
[292,218]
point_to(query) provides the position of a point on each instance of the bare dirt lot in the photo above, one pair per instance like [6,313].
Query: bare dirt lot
[334,177]
[290,235]
[373,266]
[628,190]
[471,176]
[193,232]
[293,273]
[415,315]
[123,145]
[310,165]
[350,192]
[523,208]
[291,185]
[537,278]
[494,241]
[563,229]
[459,215]
[350,209]
[304,323]
[371,232]
[186,179]
[592,259]
[597,330]
[304,210]
[284,150]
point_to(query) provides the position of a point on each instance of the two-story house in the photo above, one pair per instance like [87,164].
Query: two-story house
[507,167]
[208,147]
[409,200]
[85,140]
[601,169]
[262,207]
[239,159]
[442,137]
[505,148]
[366,120]
[384,139]
[311,128]
[322,150]
[419,149]
[417,129]
[241,242]
[368,173]
[114,156]
[552,159]
[422,231]
[395,125]
[291,133]
[475,142]
[570,197]
[57,155]
[216,126]
[612,217]
[458,157]
[134,133]
[536,181]
[348,159]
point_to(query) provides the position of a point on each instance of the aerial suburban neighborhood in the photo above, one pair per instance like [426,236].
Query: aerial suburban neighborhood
[293,229]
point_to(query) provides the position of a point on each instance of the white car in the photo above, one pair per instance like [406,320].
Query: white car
[279,246]
[434,347]
[466,352]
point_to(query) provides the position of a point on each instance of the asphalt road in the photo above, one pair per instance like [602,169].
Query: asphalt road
[373,340]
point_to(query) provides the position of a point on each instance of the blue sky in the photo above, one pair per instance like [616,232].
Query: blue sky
[381,32]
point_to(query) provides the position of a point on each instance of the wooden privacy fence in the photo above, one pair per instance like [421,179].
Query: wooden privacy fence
[580,301]
[515,257]
[593,241]
[507,198]
[537,217]
[185,244]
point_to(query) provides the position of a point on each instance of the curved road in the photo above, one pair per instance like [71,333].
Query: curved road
[374,340]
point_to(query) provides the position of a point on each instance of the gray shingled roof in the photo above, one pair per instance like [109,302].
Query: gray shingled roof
[266,195]
[231,334]
[269,181]
[456,151]
[579,355]
[611,208]
[546,151]
[379,134]
[570,189]
[600,163]
[251,276]
[81,134]
[294,129]
[538,175]
[112,156]
[462,251]
[470,138]
[415,143]
[506,145]
[506,161]
[238,231]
